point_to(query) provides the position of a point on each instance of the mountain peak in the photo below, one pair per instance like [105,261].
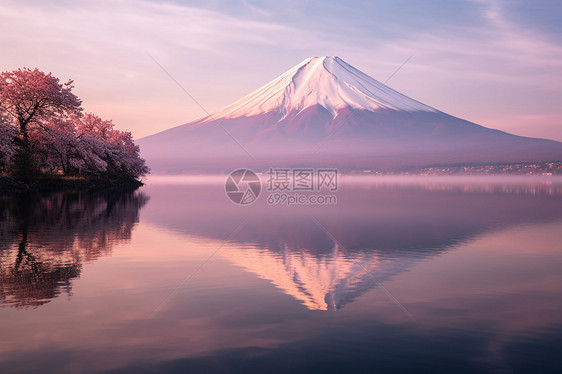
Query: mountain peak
[324,58]
[327,81]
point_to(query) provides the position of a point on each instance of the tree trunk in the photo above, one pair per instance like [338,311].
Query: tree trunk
[23,161]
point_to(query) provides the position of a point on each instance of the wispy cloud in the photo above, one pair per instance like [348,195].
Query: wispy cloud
[256,9]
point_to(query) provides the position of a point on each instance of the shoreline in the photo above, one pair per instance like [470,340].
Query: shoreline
[13,186]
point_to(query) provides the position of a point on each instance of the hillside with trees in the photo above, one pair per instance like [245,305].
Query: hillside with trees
[44,132]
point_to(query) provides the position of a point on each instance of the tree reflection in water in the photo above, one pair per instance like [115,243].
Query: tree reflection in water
[44,240]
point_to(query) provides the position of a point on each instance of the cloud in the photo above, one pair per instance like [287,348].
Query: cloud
[256,9]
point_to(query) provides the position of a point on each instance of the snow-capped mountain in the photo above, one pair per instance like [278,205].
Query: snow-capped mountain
[326,112]
[326,81]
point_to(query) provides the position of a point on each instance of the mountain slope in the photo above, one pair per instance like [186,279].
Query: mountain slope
[324,112]
[327,81]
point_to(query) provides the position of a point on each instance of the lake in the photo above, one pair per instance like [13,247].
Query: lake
[402,274]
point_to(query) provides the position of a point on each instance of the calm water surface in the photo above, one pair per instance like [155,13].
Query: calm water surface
[446,275]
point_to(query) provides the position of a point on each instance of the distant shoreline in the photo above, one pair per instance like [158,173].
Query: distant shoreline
[550,168]
[12,186]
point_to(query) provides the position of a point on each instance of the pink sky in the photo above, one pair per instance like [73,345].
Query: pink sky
[483,61]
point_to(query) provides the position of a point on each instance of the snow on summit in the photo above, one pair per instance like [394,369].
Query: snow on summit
[327,81]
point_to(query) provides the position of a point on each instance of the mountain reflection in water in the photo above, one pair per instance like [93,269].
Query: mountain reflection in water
[328,256]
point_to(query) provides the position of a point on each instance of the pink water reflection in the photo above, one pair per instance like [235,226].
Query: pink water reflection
[464,262]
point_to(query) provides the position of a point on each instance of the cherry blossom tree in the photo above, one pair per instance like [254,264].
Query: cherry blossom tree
[87,145]
[116,148]
[57,146]
[31,98]
[49,131]
[8,148]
